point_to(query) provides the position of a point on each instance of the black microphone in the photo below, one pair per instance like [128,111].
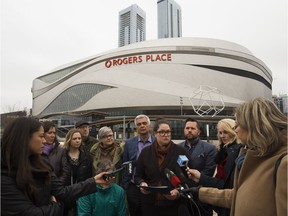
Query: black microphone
[127,166]
[176,182]
[193,190]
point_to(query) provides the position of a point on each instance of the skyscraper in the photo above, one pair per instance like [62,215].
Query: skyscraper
[132,25]
[169,19]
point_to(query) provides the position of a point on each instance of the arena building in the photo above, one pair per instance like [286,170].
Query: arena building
[164,77]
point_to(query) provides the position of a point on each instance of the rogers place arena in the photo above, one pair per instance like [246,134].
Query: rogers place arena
[160,77]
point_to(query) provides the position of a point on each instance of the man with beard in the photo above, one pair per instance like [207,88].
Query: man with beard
[88,141]
[202,155]
[132,150]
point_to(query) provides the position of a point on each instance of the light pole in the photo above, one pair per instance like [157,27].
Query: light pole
[181,105]
[124,128]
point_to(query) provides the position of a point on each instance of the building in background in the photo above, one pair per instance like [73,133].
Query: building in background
[159,78]
[132,25]
[169,19]
[281,101]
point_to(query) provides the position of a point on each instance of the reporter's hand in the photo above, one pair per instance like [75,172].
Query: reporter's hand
[53,199]
[143,190]
[174,194]
[193,174]
[99,178]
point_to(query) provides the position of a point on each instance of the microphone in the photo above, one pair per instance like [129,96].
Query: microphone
[182,161]
[192,189]
[127,166]
[174,180]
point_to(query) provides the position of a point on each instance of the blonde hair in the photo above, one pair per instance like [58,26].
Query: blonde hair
[69,136]
[227,125]
[265,124]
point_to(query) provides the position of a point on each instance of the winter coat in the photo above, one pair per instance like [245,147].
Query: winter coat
[106,202]
[55,159]
[117,159]
[254,192]
[148,171]
[76,173]
[88,143]
[14,202]
[232,151]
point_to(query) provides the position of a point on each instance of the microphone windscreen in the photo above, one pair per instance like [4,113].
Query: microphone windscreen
[168,173]
[182,160]
[175,181]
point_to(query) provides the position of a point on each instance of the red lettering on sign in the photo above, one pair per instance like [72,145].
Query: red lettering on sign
[138,59]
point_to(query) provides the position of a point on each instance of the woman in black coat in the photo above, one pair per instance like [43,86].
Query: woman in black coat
[151,170]
[28,184]
[76,163]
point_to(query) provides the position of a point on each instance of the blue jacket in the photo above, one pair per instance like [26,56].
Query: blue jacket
[203,157]
[106,202]
[130,154]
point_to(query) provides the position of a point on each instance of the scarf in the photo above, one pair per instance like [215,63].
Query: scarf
[161,152]
[48,148]
[107,151]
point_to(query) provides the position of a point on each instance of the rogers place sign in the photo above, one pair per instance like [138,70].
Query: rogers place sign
[138,59]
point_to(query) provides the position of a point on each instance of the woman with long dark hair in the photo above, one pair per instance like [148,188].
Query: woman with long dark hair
[28,184]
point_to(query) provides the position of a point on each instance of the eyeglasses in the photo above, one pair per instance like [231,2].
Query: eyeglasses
[107,136]
[163,133]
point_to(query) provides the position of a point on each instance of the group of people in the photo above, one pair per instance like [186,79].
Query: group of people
[244,174]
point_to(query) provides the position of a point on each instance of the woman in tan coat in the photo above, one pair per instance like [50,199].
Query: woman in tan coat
[263,129]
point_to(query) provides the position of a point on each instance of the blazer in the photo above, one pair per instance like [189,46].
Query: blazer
[203,157]
[130,154]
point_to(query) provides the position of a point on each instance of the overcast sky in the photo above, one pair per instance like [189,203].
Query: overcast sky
[40,35]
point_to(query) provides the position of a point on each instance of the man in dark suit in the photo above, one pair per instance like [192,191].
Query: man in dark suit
[201,153]
[132,150]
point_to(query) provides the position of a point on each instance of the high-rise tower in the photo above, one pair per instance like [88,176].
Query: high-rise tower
[169,19]
[132,25]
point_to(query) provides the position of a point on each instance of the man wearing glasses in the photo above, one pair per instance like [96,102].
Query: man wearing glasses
[88,141]
[132,150]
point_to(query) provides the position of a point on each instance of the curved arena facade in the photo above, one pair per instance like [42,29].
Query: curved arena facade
[154,76]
